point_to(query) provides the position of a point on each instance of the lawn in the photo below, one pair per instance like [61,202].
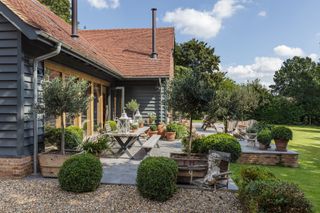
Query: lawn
[306,140]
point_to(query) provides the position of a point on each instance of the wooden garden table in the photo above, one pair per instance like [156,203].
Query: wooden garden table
[125,140]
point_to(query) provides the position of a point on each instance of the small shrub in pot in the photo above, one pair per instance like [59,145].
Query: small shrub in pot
[153,130]
[80,173]
[96,146]
[156,178]
[264,138]
[171,132]
[281,136]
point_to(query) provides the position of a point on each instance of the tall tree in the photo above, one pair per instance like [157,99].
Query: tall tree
[298,78]
[59,7]
[196,55]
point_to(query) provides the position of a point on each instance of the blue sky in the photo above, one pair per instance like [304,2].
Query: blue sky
[253,37]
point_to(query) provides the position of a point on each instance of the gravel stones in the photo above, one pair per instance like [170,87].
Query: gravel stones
[45,195]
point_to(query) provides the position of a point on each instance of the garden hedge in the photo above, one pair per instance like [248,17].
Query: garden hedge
[156,178]
[80,173]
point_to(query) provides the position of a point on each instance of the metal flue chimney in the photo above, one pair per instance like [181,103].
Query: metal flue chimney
[154,53]
[74,33]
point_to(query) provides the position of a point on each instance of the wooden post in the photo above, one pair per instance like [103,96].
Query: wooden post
[78,121]
[90,112]
[100,106]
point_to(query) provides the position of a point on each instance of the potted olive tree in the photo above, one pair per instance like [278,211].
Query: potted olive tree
[191,94]
[281,136]
[264,138]
[171,132]
[61,97]
[133,106]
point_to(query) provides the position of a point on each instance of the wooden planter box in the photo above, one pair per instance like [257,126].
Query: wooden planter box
[50,163]
[193,166]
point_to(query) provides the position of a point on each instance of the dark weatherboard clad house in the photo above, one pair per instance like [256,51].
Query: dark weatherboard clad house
[120,65]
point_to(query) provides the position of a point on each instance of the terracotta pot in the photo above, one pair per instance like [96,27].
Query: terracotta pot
[263,147]
[281,145]
[50,164]
[171,136]
[195,164]
[150,133]
[161,130]
[141,125]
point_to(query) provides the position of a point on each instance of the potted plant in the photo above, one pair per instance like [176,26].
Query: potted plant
[134,126]
[153,130]
[152,117]
[141,123]
[161,129]
[133,106]
[191,94]
[61,97]
[264,138]
[171,132]
[281,136]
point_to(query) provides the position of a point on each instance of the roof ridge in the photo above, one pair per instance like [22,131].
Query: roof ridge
[119,29]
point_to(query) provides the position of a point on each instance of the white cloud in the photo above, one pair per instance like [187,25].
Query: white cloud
[202,24]
[104,4]
[288,52]
[314,57]
[262,13]
[225,8]
[262,68]
[193,22]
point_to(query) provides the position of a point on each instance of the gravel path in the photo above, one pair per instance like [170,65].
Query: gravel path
[44,195]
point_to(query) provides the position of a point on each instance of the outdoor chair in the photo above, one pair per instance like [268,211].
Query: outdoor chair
[218,171]
[208,122]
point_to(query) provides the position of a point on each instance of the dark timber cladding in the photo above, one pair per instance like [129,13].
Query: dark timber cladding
[11,114]
[148,95]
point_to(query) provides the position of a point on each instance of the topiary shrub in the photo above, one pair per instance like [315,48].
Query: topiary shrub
[274,196]
[264,137]
[80,173]
[153,127]
[220,142]
[157,177]
[282,133]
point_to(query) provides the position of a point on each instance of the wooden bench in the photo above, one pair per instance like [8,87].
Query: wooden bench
[151,143]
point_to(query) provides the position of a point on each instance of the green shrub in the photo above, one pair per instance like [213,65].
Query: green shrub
[96,146]
[274,196]
[171,127]
[254,173]
[153,127]
[220,142]
[195,144]
[80,173]
[281,132]
[181,131]
[264,137]
[262,125]
[113,125]
[73,136]
[156,178]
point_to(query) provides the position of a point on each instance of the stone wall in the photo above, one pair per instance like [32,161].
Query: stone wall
[272,159]
[15,167]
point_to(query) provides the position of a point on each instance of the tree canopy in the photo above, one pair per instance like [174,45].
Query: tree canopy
[298,79]
[59,7]
[196,55]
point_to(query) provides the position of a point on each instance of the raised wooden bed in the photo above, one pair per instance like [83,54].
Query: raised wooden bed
[190,167]
[50,163]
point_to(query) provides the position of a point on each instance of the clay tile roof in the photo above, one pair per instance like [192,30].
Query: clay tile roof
[40,17]
[124,51]
[130,49]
